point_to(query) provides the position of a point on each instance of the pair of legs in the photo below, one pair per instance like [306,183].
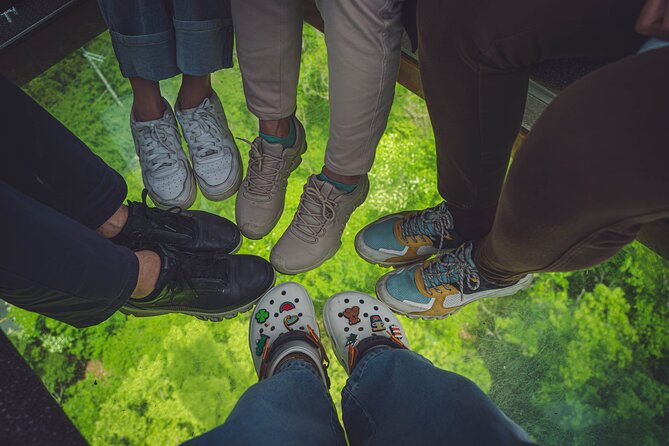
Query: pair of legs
[74,252]
[158,39]
[581,186]
[392,395]
[56,194]
[590,172]
[363,42]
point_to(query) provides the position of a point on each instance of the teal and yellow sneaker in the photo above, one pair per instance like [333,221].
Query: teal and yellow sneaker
[439,287]
[408,237]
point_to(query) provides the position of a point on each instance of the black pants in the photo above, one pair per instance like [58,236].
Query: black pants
[593,169]
[54,193]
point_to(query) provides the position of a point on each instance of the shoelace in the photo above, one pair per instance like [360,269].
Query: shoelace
[207,135]
[264,169]
[171,219]
[160,157]
[450,268]
[309,224]
[183,267]
[436,221]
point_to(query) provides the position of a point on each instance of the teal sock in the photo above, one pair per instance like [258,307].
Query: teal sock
[286,141]
[341,186]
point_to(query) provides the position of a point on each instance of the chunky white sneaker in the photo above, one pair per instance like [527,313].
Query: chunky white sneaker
[262,194]
[165,170]
[284,322]
[352,318]
[213,152]
[315,233]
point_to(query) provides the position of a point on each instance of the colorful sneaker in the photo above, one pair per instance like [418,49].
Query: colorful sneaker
[165,169]
[213,152]
[441,286]
[315,233]
[284,323]
[355,322]
[210,287]
[187,231]
[408,237]
[262,194]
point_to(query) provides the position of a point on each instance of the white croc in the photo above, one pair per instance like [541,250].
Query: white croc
[351,317]
[284,322]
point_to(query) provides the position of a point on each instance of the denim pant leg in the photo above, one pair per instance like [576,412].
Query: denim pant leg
[143,37]
[55,266]
[204,35]
[44,160]
[158,39]
[292,407]
[398,397]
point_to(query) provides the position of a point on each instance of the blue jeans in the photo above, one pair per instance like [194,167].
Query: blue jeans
[158,39]
[392,397]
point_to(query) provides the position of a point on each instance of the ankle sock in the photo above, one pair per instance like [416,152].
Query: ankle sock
[286,141]
[341,186]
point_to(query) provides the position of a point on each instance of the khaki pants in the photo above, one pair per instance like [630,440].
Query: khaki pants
[363,41]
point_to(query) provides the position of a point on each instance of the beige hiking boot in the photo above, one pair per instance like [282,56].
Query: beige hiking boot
[262,194]
[315,233]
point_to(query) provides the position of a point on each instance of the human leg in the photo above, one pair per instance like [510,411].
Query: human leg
[269,46]
[291,404]
[394,395]
[590,173]
[475,59]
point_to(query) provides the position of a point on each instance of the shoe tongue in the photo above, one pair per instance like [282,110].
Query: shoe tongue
[328,189]
[274,149]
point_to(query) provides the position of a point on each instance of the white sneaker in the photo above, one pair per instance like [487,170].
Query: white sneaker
[284,322]
[315,233]
[351,318]
[165,170]
[213,152]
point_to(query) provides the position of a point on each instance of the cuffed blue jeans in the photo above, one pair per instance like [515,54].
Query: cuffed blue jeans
[393,397]
[158,39]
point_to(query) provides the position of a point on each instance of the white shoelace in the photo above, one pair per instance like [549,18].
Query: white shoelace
[451,268]
[207,138]
[160,157]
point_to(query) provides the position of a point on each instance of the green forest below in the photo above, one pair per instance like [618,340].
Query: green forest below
[579,358]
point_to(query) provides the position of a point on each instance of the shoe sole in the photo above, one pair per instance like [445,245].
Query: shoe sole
[523,284]
[211,317]
[295,164]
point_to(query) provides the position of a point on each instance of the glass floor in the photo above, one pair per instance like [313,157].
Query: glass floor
[579,358]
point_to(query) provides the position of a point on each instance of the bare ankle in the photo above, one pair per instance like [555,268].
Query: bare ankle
[345,179]
[149,271]
[144,110]
[194,90]
[113,226]
[279,128]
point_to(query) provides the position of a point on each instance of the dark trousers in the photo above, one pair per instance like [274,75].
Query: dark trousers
[54,193]
[593,169]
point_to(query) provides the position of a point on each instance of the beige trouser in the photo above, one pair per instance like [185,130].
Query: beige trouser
[363,40]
